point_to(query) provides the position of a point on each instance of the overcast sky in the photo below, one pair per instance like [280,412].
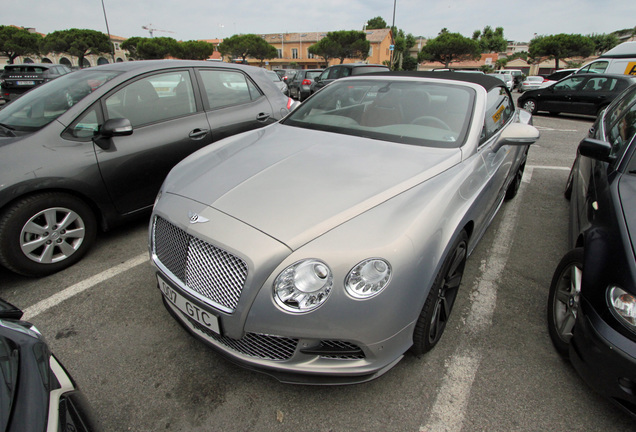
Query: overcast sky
[210,19]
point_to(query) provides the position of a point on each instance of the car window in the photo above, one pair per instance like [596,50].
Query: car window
[597,84]
[224,88]
[499,109]
[368,69]
[312,75]
[334,73]
[622,124]
[154,98]
[408,112]
[595,67]
[572,83]
[86,126]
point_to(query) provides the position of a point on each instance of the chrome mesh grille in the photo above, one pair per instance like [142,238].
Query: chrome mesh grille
[205,269]
[253,344]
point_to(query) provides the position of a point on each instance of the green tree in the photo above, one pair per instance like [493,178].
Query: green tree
[235,46]
[77,43]
[501,63]
[157,48]
[259,48]
[603,42]
[325,48]
[195,50]
[130,45]
[521,54]
[449,47]
[347,44]
[16,42]
[402,44]
[491,40]
[376,23]
[560,46]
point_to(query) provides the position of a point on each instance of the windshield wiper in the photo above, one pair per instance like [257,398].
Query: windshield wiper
[8,130]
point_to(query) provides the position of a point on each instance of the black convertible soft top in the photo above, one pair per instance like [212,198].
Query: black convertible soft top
[486,81]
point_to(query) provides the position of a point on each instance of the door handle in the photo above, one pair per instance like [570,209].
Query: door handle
[198,133]
[262,117]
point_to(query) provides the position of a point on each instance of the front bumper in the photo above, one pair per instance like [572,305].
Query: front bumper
[604,358]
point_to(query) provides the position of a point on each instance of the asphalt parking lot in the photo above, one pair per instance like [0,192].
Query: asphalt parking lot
[494,369]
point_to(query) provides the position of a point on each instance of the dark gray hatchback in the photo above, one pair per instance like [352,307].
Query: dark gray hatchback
[91,148]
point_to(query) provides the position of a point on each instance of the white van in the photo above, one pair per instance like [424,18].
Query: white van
[619,60]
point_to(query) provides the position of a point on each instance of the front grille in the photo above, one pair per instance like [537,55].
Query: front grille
[355,353]
[203,268]
[253,344]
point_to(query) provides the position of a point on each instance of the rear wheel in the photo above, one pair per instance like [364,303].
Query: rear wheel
[513,188]
[564,300]
[441,298]
[45,233]
[530,105]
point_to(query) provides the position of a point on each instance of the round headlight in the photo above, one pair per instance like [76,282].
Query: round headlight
[368,278]
[303,286]
[624,305]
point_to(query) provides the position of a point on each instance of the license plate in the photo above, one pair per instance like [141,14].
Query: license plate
[189,308]
[26,82]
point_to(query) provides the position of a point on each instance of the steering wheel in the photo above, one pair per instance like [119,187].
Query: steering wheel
[431,121]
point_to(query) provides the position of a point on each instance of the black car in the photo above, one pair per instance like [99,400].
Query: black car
[577,94]
[20,78]
[91,148]
[36,392]
[592,300]
[300,86]
[344,70]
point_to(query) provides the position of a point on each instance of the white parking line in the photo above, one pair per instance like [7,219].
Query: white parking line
[447,413]
[79,287]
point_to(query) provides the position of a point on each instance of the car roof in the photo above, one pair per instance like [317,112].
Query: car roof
[42,65]
[487,82]
[619,76]
[151,65]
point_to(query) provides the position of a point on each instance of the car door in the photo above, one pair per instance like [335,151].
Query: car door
[168,125]
[498,161]
[232,101]
[558,98]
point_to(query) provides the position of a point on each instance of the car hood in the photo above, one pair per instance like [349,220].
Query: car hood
[295,184]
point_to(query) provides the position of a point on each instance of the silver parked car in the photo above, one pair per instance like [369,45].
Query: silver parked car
[321,248]
[531,83]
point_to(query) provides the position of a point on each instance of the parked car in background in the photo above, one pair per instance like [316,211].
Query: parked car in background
[577,94]
[91,148]
[517,76]
[592,298]
[557,76]
[17,79]
[619,60]
[335,72]
[278,82]
[300,86]
[323,247]
[286,74]
[531,83]
[37,392]
[507,79]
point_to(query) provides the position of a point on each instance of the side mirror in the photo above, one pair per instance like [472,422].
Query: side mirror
[317,79]
[596,149]
[112,128]
[517,134]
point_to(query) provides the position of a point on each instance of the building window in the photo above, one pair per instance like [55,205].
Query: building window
[309,55]
[116,46]
[280,53]
[294,53]
[370,51]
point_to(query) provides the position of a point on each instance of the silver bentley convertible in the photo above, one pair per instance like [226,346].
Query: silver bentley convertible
[322,248]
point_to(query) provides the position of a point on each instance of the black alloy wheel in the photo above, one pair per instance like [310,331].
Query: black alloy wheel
[441,298]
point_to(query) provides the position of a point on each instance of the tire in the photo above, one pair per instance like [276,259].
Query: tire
[441,298]
[513,188]
[45,233]
[530,105]
[564,299]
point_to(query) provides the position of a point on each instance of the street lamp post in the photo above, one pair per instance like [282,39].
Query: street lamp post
[108,31]
[392,37]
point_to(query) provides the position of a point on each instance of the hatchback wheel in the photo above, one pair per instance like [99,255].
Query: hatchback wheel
[441,298]
[45,233]
[564,300]
[530,105]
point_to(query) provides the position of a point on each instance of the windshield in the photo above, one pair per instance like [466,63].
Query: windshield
[414,112]
[45,103]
